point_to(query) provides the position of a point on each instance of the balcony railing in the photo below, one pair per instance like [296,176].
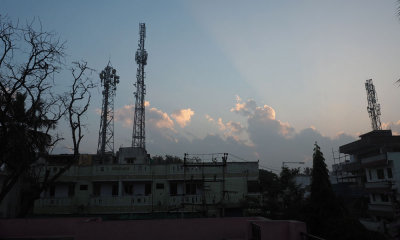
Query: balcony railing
[379,185]
[53,202]
[120,200]
[387,207]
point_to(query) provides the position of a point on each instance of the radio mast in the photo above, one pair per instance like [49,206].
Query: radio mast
[374,108]
[109,81]
[138,135]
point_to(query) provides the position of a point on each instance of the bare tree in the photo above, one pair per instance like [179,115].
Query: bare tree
[29,58]
[30,109]
[76,103]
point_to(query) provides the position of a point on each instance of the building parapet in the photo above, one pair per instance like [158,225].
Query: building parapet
[385,208]
[376,160]
[380,185]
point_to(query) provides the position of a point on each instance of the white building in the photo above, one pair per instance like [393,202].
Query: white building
[135,185]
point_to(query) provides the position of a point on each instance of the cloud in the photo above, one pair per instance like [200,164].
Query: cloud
[394,126]
[159,119]
[244,108]
[260,137]
[235,127]
[183,116]
[210,119]
[154,117]
[125,115]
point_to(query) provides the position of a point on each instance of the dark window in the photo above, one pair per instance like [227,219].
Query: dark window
[147,189]
[71,190]
[128,187]
[389,172]
[370,175]
[130,160]
[52,190]
[384,198]
[160,186]
[380,173]
[253,186]
[96,189]
[83,187]
[173,188]
[115,189]
[190,188]
[373,197]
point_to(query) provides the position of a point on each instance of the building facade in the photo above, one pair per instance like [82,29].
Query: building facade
[133,184]
[374,164]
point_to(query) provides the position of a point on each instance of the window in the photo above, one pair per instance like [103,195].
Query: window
[384,198]
[83,187]
[130,160]
[96,189]
[52,190]
[191,188]
[147,189]
[71,190]
[173,188]
[373,197]
[370,174]
[389,173]
[160,186]
[128,188]
[380,174]
[115,189]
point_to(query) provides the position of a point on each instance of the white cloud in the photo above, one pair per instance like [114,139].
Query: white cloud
[394,126]
[159,119]
[183,116]
[125,115]
[262,137]
[244,108]
[209,118]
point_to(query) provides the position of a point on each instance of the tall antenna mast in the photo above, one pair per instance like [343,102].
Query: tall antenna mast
[109,81]
[138,135]
[374,108]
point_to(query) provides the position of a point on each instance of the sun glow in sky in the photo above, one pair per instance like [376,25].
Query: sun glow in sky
[259,79]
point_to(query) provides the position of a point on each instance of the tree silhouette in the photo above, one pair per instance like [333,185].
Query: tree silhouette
[30,108]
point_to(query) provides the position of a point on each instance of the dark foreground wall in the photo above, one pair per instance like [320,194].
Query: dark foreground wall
[200,228]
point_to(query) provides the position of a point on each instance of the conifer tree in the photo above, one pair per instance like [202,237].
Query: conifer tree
[321,189]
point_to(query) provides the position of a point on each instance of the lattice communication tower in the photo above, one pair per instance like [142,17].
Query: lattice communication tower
[138,135]
[374,108]
[109,80]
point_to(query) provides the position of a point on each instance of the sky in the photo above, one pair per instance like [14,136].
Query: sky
[262,80]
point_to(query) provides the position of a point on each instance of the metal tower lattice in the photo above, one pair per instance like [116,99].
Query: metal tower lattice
[109,81]
[138,135]
[374,108]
